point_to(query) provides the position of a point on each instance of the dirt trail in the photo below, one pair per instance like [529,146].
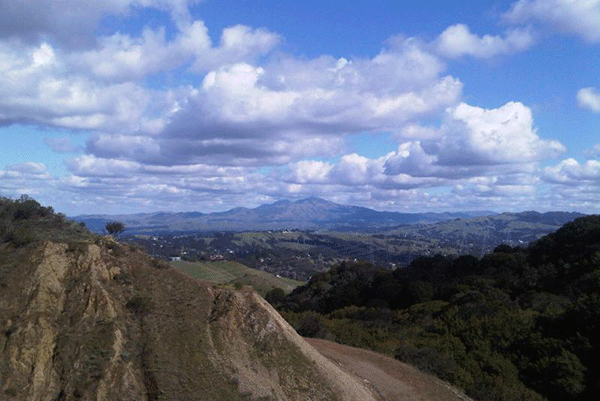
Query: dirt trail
[392,380]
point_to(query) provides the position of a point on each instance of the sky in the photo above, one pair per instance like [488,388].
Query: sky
[127,106]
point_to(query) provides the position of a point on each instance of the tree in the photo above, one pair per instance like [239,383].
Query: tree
[115,228]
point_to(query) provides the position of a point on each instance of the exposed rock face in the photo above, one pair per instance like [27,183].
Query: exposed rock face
[98,321]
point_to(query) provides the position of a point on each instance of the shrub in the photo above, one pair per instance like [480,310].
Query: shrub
[275,296]
[19,236]
[427,359]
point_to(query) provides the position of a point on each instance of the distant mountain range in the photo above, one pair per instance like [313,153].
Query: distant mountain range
[306,214]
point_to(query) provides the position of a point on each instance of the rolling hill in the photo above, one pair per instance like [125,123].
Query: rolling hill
[236,274]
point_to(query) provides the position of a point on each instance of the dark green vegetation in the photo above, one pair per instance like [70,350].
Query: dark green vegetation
[516,324]
[24,220]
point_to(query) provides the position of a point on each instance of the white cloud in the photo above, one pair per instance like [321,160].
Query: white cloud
[473,141]
[238,43]
[280,112]
[89,165]
[506,135]
[254,119]
[476,156]
[310,171]
[589,98]
[290,108]
[36,86]
[457,41]
[25,178]
[122,57]
[580,17]
[571,172]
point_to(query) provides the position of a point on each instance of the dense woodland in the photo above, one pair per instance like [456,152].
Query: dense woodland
[516,324]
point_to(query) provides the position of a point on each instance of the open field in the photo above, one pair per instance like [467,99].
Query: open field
[227,272]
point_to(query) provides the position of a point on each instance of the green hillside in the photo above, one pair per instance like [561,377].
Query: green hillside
[233,273]
[517,324]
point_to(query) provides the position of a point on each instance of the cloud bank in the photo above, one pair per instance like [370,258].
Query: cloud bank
[177,115]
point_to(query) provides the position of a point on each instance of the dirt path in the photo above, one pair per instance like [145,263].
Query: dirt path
[391,379]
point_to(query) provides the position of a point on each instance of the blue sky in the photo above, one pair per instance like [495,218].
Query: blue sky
[128,106]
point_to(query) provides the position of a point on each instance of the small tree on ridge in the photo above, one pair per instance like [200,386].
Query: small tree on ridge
[115,228]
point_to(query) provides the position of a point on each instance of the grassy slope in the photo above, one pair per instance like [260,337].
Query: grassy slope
[226,272]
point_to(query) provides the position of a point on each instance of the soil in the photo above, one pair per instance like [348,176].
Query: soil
[390,379]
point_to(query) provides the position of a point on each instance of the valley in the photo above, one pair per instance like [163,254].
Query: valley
[298,254]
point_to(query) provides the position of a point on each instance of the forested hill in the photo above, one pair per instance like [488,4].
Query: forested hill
[517,324]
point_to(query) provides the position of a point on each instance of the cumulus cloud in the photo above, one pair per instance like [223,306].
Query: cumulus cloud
[282,111]
[589,98]
[580,17]
[217,136]
[477,136]
[36,86]
[356,171]
[571,172]
[73,22]
[474,154]
[246,117]
[121,57]
[457,41]
[290,107]
[475,141]
[97,89]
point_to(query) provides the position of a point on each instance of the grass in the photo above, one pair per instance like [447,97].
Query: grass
[227,272]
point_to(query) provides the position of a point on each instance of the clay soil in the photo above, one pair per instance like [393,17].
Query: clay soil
[390,379]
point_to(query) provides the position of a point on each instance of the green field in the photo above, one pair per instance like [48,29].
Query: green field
[227,272]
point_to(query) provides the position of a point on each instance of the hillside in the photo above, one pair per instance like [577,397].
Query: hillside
[93,319]
[516,324]
[236,274]
[481,234]
[84,317]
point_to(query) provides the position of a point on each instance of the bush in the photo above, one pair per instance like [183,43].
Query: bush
[19,236]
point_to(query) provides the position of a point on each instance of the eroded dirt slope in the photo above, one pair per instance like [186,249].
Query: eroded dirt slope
[97,320]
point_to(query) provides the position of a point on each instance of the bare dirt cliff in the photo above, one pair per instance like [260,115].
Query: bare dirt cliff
[97,320]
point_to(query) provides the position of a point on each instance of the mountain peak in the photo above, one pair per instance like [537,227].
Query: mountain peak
[314,200]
